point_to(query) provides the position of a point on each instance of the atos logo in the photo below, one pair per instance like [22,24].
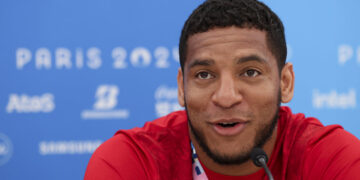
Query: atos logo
[6,149]
[105,104]
[30,104]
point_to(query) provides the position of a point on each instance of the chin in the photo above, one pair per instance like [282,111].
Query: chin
[233,152]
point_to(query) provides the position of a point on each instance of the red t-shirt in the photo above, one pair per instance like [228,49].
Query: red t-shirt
[304,149]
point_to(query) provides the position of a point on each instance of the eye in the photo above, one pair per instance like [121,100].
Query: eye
[203,75]
[251,73]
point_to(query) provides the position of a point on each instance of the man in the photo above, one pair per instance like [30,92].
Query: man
[232,80]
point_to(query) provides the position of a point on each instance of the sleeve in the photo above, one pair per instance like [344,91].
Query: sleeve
[334,154]
[116,159]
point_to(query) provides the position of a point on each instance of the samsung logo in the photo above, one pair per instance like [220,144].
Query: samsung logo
[68,147]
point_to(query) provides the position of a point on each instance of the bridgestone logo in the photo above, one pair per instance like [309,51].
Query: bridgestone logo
[68,147]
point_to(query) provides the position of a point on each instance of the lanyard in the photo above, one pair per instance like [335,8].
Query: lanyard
[197,169]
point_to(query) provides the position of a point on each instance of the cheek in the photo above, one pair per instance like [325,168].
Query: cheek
[264,100]
[197,99]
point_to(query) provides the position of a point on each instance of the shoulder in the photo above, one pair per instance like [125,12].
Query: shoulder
[136,153]
[116,158]
[323,152]
[173,120]
[332,153]
[157,133]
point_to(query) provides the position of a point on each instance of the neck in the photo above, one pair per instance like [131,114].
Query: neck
[243,169]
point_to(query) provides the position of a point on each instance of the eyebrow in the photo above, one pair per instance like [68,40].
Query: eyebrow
[209,62]
[251,58]
[198,62]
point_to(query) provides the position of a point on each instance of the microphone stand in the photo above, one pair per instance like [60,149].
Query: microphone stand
[259,158]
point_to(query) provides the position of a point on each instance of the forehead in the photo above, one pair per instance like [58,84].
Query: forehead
[229,41]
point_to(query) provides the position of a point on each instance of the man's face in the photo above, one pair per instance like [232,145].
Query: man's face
[230,88]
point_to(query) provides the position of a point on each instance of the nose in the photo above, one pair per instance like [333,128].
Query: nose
[227,94]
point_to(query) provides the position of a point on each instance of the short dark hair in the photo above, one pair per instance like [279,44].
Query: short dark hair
[239,13]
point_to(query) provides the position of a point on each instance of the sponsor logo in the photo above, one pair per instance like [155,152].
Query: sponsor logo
[30,104]
[6,149]
[166,100]
[64,58]
[347,53]
[334,100]
[68,147]
[105,104]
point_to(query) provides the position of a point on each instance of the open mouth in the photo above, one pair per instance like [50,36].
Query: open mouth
[227,124]
[229,128]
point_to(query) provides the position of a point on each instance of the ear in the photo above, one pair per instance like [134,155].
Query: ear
[180,82]
[287,83]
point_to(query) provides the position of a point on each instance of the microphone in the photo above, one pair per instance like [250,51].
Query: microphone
[259,158]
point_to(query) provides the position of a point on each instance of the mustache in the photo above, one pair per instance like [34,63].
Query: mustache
[227,113]
[233,114]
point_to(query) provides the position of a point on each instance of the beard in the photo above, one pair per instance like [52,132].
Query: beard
[263,134]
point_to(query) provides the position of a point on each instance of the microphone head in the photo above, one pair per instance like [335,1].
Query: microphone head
[256,155]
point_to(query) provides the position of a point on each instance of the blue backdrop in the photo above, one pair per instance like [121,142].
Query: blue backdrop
[74,72]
